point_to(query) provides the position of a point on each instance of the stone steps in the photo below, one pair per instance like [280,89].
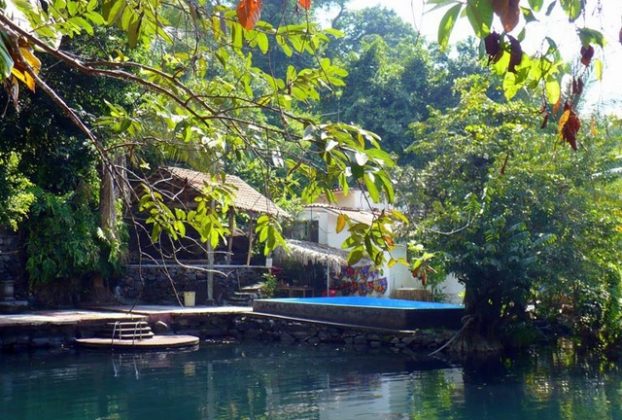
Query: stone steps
[242,298]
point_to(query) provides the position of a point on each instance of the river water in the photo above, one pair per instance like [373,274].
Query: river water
[241,381]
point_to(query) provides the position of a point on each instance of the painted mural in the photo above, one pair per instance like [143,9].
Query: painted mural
[362,281]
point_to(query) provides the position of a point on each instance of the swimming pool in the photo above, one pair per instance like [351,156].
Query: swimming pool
[393,314]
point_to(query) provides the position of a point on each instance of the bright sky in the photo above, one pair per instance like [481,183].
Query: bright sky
[607,94]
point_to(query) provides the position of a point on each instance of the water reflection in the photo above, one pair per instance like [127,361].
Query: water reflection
[259,382]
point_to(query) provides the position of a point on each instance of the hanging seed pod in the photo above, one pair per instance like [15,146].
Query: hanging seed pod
[493,47]
[586,55]
[516,54]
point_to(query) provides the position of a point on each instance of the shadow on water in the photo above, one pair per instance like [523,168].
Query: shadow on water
[259,381]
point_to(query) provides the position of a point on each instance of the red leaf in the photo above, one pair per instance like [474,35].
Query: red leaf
[508,11]
[249,12]
[516,54]
[305,4]
[577,86]
[586,55]
[569,126]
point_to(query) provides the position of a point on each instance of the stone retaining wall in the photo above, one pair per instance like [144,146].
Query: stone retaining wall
[266,329]
[235,327]
[10,262]
[290,332]
[22,338]
[151,283]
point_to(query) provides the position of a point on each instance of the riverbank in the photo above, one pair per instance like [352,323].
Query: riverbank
[59,329]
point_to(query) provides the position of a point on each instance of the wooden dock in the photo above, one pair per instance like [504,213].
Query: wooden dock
[153,343]
[65,318]
[148,310]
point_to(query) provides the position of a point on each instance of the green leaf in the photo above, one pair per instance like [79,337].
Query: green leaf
[553,91]
[112,10]
[447,25]
[133,30]
[528,14]
[510,87]
[355,255]
[573,8]
[82,23]
[598,69]
[6,61]
[550,8]
[590,36]
[236,35]
[262,42]
[387,186]
[479,13]
[536,5]
[96,18]
[439,4]
[371,187]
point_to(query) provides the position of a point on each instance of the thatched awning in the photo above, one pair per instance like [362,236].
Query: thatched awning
[310,252]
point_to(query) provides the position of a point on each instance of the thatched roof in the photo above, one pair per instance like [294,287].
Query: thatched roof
[310,252]
[245,197]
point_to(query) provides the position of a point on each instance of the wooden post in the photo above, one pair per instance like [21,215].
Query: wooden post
[251,227]
[231,235]
[327,281]
[210,273]
[210,266]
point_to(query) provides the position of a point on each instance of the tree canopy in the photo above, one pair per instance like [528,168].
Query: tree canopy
[202,100]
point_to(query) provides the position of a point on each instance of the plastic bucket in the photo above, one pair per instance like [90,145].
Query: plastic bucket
[189,298]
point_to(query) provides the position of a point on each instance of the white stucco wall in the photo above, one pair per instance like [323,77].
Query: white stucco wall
[452,289]
[398,276]
[354,200]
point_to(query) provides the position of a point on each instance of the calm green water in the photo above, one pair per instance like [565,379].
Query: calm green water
[261,381]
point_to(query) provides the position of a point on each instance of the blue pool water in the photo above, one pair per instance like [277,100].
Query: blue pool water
[370,302]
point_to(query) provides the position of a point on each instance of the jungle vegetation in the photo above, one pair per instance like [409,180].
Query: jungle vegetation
[498,176]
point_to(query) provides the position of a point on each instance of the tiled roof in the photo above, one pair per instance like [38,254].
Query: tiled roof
[245,198]
[360,216]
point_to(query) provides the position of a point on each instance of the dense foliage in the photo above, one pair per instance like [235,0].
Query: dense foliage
[518,218]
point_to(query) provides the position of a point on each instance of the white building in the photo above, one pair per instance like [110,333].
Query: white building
[321,226]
